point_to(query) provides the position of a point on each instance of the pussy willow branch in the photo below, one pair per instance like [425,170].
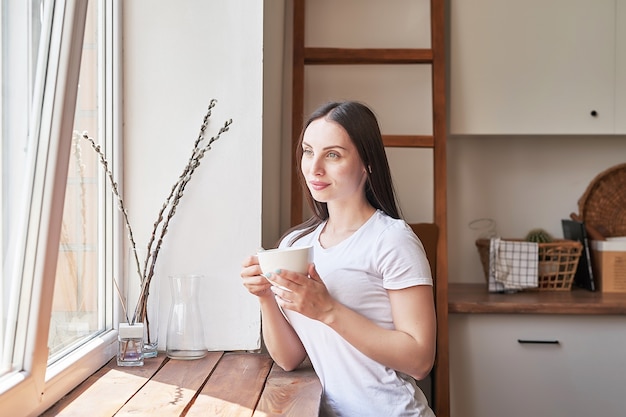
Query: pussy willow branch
[196,145]
[114,188]
[120,203]
[173,190]
[172,202]
[162,222]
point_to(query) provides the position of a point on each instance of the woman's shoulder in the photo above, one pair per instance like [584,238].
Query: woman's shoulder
[389,226]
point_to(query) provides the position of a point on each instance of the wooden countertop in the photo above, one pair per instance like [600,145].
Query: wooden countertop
[220,384]
[474,298]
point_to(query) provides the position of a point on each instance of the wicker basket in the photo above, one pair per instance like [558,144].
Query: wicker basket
[558,261]
[603,205]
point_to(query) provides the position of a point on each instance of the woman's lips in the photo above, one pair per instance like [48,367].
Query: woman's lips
[318,185]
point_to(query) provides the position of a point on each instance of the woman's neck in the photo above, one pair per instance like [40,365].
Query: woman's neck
[341,224]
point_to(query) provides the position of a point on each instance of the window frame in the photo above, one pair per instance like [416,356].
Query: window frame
[38,384]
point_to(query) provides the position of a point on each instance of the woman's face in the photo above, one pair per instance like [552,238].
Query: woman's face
[331,164]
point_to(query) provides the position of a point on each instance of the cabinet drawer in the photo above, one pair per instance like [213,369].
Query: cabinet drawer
[539,365]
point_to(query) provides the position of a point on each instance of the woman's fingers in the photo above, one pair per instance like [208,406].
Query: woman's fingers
[251,260]
[256,285]
[305,294]
[282,294]
[254,282]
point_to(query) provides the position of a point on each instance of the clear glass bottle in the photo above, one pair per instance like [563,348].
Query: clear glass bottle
[185,333]
[130,344]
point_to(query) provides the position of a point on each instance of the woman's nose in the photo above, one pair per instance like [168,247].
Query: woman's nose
[313,165]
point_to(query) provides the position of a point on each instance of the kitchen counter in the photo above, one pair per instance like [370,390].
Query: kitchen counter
[474,298]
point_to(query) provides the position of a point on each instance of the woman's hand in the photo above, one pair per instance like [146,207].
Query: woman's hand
[281,340]
[253,278]
[304,294]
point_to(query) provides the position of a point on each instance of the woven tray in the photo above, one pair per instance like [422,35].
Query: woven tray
[558,261]
[603,205]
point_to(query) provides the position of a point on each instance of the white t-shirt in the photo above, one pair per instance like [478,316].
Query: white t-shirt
[383,254]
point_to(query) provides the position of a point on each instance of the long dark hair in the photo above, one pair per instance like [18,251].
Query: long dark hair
[361,125]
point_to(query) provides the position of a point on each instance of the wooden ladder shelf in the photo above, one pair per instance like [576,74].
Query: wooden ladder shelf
[435,57]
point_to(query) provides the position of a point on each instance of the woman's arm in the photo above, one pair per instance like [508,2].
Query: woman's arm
[409,348]
[282,342]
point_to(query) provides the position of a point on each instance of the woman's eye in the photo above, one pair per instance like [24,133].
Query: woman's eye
[307,152]
[333,155]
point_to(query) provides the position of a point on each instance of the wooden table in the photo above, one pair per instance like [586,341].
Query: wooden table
[220,384]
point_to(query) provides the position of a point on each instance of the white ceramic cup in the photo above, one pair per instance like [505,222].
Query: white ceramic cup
[295,259]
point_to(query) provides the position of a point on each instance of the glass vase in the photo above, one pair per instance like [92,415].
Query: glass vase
[151,320]
[149,314]
[185,333]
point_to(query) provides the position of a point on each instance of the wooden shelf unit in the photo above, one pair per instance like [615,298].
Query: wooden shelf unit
[435,57]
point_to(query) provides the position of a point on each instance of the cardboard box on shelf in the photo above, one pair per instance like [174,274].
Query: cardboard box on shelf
[609,264]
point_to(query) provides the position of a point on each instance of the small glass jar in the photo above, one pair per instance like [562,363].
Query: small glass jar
[130,344]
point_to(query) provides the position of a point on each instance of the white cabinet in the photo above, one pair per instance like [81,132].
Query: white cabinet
[537,365]
[534,66]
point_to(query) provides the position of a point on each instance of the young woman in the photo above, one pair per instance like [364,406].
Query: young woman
[365,312]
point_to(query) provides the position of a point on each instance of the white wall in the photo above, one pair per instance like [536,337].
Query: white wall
[178,55]
[520,182]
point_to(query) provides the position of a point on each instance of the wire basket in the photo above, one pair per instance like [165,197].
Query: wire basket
[558,261]
[603,205]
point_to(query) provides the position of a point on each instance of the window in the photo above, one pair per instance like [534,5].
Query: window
[56,292]
[78,307]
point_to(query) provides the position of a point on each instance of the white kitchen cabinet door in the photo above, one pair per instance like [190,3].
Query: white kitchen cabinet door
[532,67]
[521,365]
